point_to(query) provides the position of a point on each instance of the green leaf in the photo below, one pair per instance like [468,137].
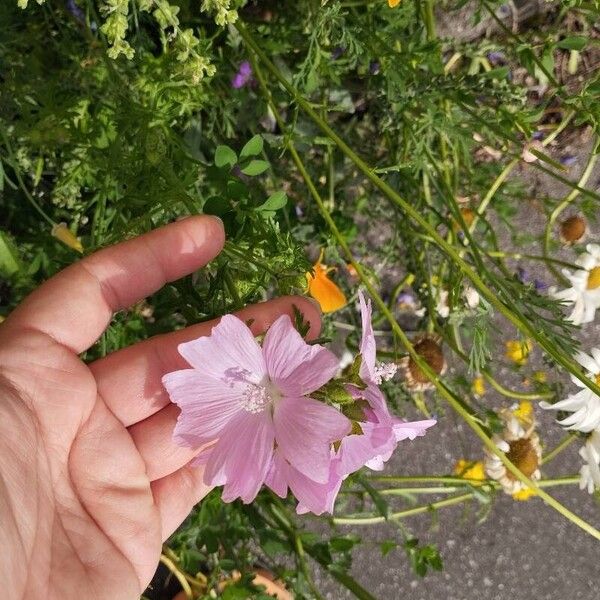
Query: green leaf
[253,147]
[255,167]
[225,157]
[351,373]
[216,205]
[344,543]
[499,73]
[575,42]
[387,546]
[10,262]
[274,202]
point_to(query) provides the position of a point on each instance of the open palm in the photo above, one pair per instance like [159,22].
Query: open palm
[90,481]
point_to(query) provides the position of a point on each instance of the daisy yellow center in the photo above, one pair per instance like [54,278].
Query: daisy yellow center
[522,454]
[593,281]
[597,380]
[257,398]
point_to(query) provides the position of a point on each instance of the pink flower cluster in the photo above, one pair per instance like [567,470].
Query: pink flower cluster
[252,410]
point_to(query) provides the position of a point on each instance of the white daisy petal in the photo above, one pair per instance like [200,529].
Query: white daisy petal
[590,471]
[587,362]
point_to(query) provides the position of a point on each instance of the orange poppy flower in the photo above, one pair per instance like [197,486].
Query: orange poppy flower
[393,3]
[329,296]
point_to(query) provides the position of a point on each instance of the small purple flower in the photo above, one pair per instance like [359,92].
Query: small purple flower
[337,52]
[537,135]
[568,160]
[243,75]
[496,58]
[299,211]
[406,300]
[540,285]
[374,67]
[75,11]
[522,275]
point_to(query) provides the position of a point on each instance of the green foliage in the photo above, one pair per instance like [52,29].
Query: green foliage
[423,558]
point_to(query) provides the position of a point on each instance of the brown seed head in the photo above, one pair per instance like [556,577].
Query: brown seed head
[573,229]
[523,455]
[431,352]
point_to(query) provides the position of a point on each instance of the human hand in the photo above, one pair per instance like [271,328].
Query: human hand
[91,483]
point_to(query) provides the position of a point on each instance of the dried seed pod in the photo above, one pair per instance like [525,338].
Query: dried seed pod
[428,347]
[573,230]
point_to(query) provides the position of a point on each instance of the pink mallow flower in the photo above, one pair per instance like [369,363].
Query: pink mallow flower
[253,405]
[381,432]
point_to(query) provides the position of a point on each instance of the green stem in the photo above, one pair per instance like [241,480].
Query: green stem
[492,191]
[401,479]
[424,479]
[429,19]
[232,289]
[564,443]
[516,395]
[279,513]
[17,171]
[417,510]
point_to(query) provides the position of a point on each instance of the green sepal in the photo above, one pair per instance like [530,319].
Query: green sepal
[334,392]
[355,411]
[351,373]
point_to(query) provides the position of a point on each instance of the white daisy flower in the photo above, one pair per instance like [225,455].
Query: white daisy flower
[590,471]
[522,447]
[584,292]
[585,404]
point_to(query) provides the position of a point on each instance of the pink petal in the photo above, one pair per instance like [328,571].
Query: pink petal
[374,396]
[368,349]
[206,405]
[312,497]
[377,463]
[241,458]
[277,476]
[294,366]
[304,431]
[229,353]
[357,450]
[411,430]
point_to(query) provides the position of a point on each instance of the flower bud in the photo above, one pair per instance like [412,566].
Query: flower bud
[64,234]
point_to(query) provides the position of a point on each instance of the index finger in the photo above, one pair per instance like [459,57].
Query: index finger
[75,306]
